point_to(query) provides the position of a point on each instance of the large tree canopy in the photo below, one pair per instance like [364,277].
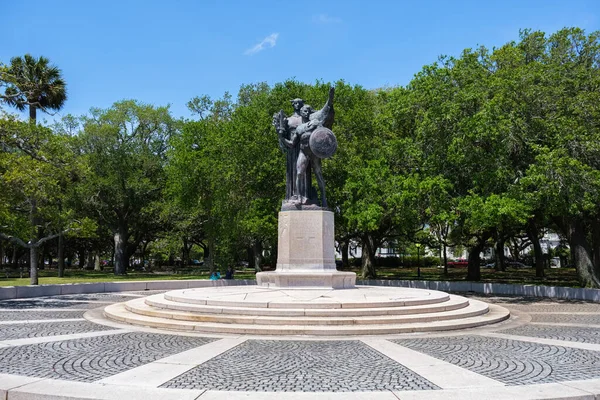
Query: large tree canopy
[476,150]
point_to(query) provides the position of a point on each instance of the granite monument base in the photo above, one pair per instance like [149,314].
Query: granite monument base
[306,253]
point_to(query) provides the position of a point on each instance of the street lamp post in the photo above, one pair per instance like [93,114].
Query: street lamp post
[418,260]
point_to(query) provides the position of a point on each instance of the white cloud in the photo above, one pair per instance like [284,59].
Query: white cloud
[268,42]
[325,19]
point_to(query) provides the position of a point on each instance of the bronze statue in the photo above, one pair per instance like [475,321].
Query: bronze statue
[306,137]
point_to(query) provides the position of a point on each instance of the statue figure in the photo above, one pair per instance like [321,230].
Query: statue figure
[306,137]
[286,130]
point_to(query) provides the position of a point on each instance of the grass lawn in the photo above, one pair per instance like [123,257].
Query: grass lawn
[47,277]
[554,277]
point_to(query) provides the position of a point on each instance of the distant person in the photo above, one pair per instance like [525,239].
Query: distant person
[215,276]
[229,273]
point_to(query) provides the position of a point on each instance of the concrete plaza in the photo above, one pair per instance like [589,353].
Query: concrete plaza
[62,347]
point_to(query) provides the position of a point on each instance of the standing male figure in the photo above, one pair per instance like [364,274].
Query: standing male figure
[288,142]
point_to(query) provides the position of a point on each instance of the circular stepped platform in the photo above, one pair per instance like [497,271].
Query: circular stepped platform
[364,310]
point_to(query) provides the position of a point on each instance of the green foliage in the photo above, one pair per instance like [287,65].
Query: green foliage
[478,149]
[33,83]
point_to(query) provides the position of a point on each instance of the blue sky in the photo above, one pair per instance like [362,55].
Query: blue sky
[166,52]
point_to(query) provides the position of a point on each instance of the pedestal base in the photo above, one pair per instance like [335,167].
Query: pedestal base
[307,280]
[306,253]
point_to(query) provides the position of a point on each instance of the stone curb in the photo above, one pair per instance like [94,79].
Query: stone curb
[553,292]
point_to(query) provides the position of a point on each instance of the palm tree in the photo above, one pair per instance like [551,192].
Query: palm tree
[34,83]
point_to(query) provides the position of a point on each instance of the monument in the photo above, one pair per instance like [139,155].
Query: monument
[301,296]
[306,244]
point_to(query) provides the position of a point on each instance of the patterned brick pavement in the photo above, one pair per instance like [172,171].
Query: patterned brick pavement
[301,366]
[24,315]
[297,365]
[571,334]
[510,361]
[91,359]
[20,331]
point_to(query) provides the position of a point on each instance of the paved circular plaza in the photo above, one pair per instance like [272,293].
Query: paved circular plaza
[63,347]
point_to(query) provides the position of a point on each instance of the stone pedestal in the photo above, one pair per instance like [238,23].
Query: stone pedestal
[306,253]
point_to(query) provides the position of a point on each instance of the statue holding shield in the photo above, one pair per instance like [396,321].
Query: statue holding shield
[307,138]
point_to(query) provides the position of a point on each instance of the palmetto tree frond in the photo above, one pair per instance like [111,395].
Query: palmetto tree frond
[35,83]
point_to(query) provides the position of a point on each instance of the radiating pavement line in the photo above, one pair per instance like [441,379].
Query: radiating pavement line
[59,338]
[39,321]
[161,371]
[436,371]
[549,342]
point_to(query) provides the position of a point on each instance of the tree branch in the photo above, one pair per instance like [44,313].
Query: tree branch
[14,240]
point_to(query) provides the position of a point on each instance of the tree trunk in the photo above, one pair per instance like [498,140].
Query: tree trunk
[61,255]
[532,233]
[445,250]
[589,275]
[121,257]
[144,248]
[273,256]
[33,263]
[185,253]
[15,258]
[345,261]
[596,242]
[250,255]
[32,113]
[209,255]
[41,256]
[368,258]
[81,257]
[97,262]
[474,268]
[89,264]
[499,254]
[257,249]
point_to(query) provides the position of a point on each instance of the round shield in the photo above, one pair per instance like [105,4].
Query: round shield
[322,142]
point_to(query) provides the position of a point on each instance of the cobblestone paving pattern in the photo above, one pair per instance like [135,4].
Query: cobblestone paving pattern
[40,303]
[291,366]
[509,361]
[91,359]
[568,333]
[42,329]
[25,315]
[583,319]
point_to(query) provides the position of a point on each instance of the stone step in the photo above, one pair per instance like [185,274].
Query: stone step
[309,299]
[453,303]
[138,306]
[119,312]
